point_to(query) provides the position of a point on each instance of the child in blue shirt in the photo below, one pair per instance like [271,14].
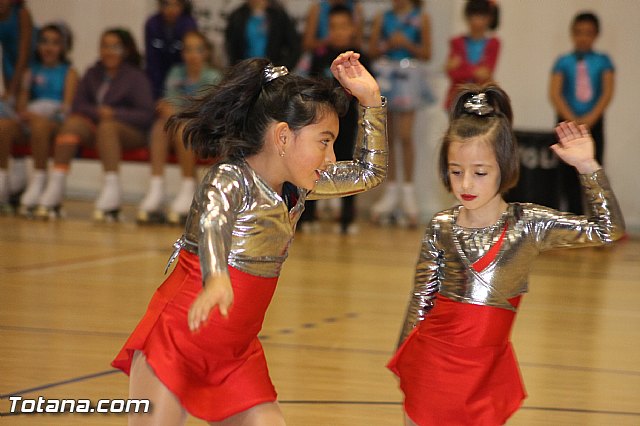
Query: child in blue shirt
[44,99]
[581,89]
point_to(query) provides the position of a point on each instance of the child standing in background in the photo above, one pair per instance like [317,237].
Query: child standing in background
[581,89]
[473,56]
[184,80]
[341,37]
[316,29]
[400,37]
[262,29]
[163,34]
[455,359]
[45,99]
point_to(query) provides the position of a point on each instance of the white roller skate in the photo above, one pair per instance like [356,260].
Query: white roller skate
[181,205]
[382,211]
[151,209]
[409,216]
[31,196]
[49,203]
[107,207]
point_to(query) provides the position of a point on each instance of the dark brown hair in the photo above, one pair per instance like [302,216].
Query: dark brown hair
[495,127]
[590,17]
[132,55]
[229,121]
[484,7]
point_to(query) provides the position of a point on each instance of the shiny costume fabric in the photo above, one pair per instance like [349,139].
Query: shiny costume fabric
[237,219]
[448,249]
[455,360]
[237,226]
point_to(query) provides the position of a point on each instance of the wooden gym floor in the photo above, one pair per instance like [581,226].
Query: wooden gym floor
[71,291]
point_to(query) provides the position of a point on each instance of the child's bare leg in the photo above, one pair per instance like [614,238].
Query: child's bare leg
[186,157]
[159,147]
[144,384]
[267,414]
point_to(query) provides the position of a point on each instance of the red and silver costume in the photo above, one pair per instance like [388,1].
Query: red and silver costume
[455,360]
[240,226]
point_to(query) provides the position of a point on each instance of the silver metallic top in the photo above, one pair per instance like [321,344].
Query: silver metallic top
[237,219]
[448,250]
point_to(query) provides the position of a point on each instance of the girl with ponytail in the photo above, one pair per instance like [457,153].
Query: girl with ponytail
[196,350]
[473,266]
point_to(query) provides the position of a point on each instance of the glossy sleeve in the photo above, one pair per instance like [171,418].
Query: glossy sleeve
[221,196]
[426,284]
[602,224]
[368,168]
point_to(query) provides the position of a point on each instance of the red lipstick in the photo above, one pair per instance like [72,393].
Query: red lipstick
[468,197]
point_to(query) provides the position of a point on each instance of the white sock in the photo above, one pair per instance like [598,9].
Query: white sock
[35,188]
[4,186]
[409,202]
[153,200]
[54,191]
[18,173]
[389,200]
[182,203]
[110,195]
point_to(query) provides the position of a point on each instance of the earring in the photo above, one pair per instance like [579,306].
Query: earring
[281,153]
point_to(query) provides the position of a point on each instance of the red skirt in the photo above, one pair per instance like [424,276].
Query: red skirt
[220,370]
[458,366]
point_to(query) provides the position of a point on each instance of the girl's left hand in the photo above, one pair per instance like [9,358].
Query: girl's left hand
[576,147]
[355,78]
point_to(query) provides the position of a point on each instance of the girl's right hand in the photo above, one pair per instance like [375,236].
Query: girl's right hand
[355,78]
[576,147]
[218,292]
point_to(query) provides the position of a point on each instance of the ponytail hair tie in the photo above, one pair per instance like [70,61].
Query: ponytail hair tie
[272,72]
[478,104]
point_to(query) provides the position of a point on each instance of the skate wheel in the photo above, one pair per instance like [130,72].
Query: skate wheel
[174,218]
[28,212]
[48,213]
[150,218]
[106,216]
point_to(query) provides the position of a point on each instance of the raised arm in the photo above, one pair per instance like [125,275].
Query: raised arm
[369,166]
[603,222]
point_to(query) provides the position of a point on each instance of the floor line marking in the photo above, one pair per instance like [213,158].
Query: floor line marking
[60,383]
